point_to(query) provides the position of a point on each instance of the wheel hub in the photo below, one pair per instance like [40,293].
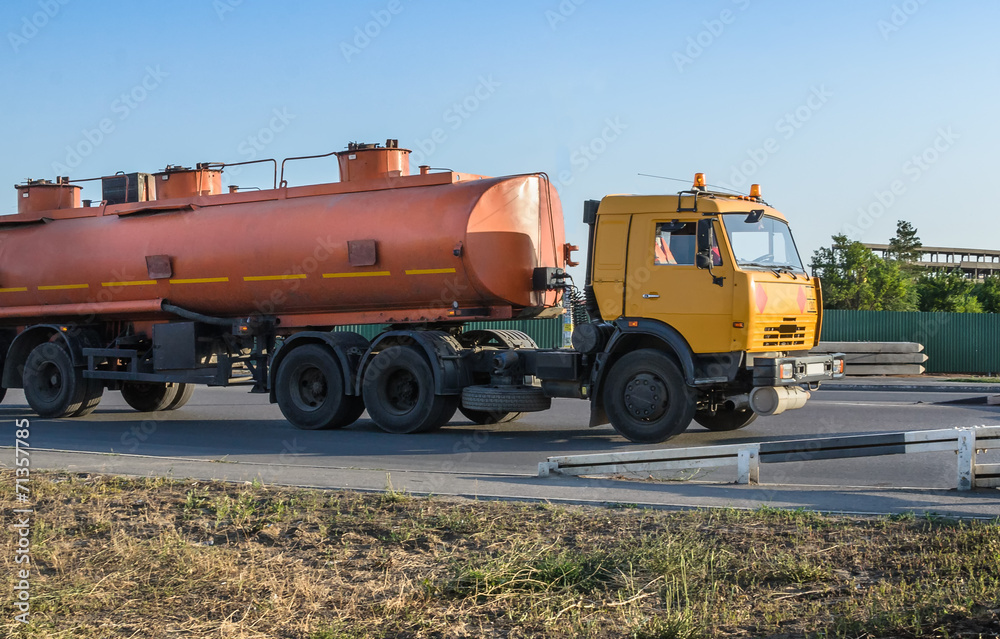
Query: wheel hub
[402,391]
[312,389]
[646,397]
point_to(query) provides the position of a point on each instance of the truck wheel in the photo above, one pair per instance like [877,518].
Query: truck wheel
[725,420]
[92,397]
[3,393]
[310,390]
[398,388]
[487,418]
[149,397]
[646,397]
[53,387]
[184,393]
[505,399]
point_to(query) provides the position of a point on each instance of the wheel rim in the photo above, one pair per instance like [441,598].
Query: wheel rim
[309,388]
[402,391]
[49,382]
[646,397]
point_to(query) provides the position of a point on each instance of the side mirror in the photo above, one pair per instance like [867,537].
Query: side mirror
[703,261]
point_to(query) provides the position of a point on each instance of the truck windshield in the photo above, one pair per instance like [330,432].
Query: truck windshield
[766,243]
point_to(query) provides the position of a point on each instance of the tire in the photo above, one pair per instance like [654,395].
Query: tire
[149,397]
[92,397]
[398,388]
[3,393]
[505,399]
[311,392]
[646,397]
[184,393]
[725,420]
[53,387]
[488,418]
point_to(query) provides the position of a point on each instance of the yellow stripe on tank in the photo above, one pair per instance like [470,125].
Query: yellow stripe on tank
[273,278]
[430,271]
[117,284]
[14,290]
[63,287]
[358,274]
[204,280]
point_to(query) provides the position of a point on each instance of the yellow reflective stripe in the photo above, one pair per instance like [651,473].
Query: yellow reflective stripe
[204,280]
[63,287]
[117,284]
[358,274]
[273,278]
[430,271]
[14,290]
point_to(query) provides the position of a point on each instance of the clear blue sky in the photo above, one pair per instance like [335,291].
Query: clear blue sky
[667,88]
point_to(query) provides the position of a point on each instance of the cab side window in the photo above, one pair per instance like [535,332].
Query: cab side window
[675,243]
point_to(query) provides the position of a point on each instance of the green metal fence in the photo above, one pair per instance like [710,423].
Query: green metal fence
[954,342]
[547,333]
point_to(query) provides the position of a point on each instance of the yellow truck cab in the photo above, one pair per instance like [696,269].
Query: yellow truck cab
[704,290]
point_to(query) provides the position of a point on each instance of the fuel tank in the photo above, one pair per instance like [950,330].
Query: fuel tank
[380,246]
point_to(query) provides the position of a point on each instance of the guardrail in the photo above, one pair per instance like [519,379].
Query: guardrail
[965,442]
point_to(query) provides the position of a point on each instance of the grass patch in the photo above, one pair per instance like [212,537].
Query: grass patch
[975,380]
[115,557]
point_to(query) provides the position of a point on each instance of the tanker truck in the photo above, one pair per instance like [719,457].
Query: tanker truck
[696,306]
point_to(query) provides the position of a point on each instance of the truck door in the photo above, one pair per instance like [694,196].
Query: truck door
[663,282]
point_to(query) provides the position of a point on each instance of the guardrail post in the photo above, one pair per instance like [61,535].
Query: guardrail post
[546,468]
[748,465]
[966,459]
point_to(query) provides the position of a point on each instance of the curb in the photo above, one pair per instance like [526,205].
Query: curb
[925,388]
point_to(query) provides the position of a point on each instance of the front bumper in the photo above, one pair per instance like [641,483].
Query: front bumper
[791,371]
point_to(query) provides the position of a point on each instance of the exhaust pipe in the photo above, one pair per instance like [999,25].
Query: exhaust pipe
[736,402]
[774,400]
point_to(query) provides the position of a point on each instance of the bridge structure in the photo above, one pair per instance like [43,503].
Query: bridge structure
[974,263]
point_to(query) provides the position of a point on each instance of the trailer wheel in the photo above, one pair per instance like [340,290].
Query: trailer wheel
[398,388]
[488,418]
[646,397]
[725,420]
[310,390]
[53,387]
[184,393]
[149,397]
[505,399]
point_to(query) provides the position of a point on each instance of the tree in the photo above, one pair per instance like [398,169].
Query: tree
[905,247]
[854,278]
[988,293]
[949,292]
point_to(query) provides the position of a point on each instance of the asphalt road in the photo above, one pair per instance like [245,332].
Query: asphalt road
[229,425]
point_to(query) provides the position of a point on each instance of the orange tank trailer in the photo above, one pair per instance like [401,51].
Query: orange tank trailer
[381,246]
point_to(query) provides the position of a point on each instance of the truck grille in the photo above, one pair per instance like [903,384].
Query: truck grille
[784,333]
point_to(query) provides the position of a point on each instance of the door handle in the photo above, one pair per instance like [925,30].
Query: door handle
[650,296]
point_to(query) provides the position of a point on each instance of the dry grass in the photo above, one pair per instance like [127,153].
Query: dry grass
[159,558]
